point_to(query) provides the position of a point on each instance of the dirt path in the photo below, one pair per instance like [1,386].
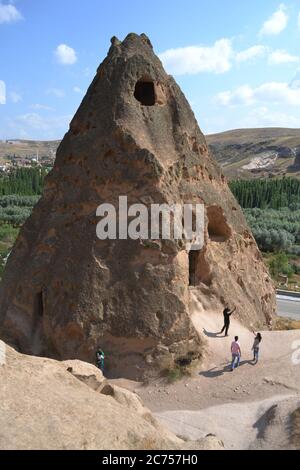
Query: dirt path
[236,406]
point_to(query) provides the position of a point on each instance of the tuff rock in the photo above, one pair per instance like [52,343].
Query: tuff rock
[65,292]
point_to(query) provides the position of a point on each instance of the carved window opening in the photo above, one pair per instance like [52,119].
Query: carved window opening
[145,92]
[218,228]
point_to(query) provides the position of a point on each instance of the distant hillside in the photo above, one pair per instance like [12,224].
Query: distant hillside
[257,153]
[27,148]
[242,153]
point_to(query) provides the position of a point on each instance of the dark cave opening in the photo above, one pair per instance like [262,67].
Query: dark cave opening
[193,259]
[145,93]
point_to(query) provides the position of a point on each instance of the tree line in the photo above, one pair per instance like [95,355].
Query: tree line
[23,181]
[267,193]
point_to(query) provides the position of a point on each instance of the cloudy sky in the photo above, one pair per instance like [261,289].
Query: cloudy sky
[237,62]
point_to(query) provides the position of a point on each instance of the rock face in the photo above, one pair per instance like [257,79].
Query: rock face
[44,406]
[65,292]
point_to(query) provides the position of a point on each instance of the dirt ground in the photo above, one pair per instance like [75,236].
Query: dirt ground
[247,408]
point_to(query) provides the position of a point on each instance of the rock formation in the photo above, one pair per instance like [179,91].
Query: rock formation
[65,292]
[50,405]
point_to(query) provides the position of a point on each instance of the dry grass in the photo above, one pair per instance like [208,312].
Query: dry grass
[176,373]
[283,323]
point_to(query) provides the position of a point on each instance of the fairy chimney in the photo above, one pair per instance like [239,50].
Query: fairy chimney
[65,292]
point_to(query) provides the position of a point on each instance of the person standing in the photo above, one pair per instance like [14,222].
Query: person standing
[226,314]
[236,353]
[256,345]
[100,359]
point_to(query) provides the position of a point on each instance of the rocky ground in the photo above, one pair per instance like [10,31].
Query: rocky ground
[46,404]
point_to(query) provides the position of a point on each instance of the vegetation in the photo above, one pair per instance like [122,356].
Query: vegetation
[16,209]
[267,193]
[176,373]
[19,192]
[276,230]
[8,235]
[282,323]
[23,181]
[272,209]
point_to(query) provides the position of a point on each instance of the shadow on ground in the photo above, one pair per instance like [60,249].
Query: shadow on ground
[212,373]
[210,334]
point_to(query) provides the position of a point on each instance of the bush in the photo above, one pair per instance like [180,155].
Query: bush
[14,215]
[8,234]
[176,373]
[279,264]
[275,230]
[19,201]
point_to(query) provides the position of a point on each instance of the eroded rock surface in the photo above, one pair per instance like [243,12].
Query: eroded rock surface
[65,292]
[43,406]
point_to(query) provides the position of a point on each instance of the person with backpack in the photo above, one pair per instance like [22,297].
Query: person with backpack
[255,347]
[236,353]
[100,356]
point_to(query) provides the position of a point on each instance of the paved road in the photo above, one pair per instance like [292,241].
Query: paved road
[288,307]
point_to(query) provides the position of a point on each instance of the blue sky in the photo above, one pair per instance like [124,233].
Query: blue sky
[237,62]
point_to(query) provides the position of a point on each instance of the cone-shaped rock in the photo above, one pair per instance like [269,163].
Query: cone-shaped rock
[65,292]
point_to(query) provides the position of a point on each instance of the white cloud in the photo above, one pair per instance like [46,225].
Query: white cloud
[56,92]
[76,89]
[15,97]
[33,120]
[281,56]
[276,23]
[256,117]
[197,59]
[242,95]
[251,53]
[9,13]
[265,117]
[295,83]
[43,107]
[272,92]
[65,55]
[34,126]
[2,92]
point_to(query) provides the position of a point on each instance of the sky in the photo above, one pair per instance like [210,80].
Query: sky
[238,63]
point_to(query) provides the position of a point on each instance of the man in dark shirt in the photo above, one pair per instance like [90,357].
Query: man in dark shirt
[226,313]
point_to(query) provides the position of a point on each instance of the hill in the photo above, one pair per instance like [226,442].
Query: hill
[27,148]
[242,153]
[258,153]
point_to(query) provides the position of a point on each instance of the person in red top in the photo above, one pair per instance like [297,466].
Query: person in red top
[236,352]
